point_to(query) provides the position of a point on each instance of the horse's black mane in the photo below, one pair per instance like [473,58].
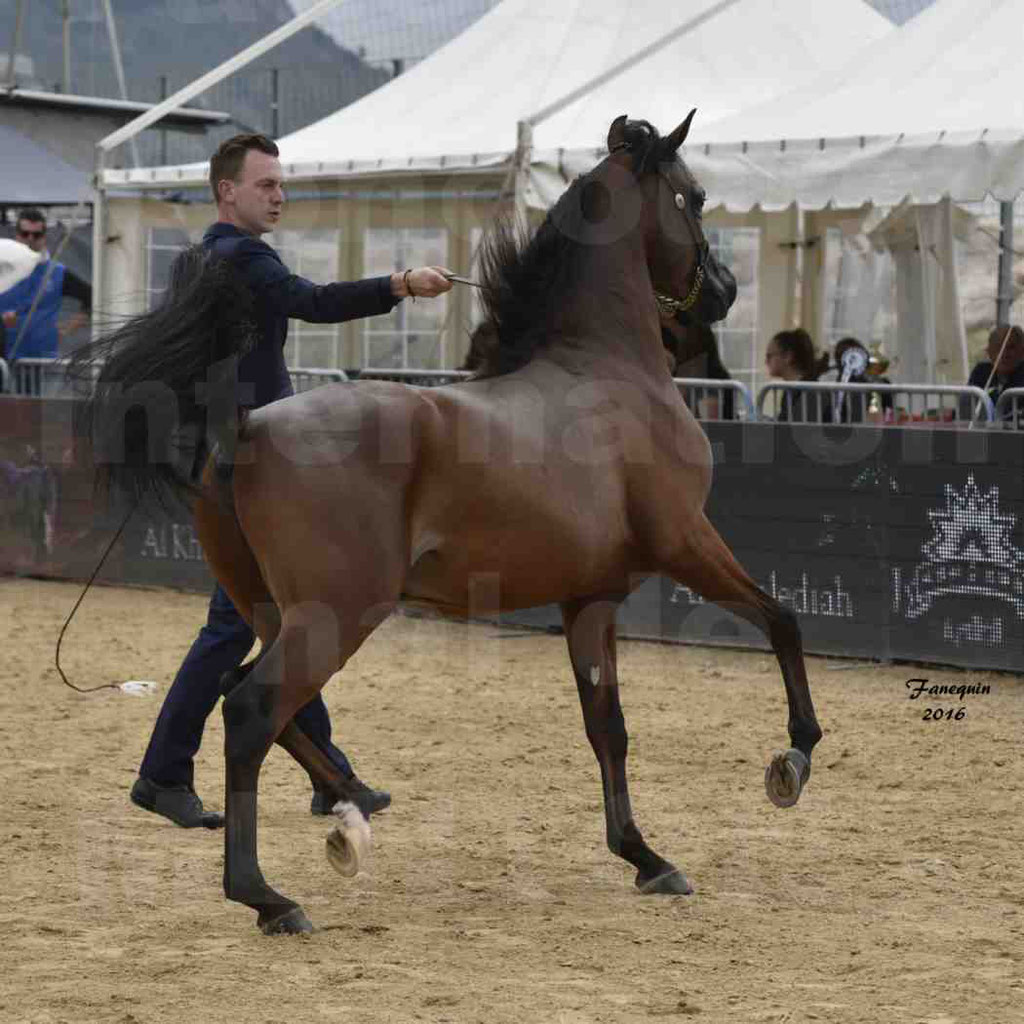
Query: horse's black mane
[526,279]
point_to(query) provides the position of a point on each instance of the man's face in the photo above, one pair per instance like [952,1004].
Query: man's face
[1013,354]
[32,233]
[255,200]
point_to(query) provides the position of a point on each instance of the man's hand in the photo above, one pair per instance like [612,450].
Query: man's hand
[10,318]
[423,282]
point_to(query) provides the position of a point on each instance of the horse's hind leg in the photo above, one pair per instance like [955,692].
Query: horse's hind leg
[709,567]
[234,564]
[590,632]
[311,646]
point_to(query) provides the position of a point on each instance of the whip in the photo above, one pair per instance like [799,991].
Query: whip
[126,687]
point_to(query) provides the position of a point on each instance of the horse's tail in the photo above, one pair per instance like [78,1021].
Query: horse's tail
[160,388]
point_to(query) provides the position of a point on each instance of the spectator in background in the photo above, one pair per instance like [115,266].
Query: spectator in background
[693,352]
[1008,367]
[790,356]
[40,339]
[850,355]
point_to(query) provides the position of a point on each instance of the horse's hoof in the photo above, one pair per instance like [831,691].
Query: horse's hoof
[292,922]
[348,845]
[784,778]
[672,883]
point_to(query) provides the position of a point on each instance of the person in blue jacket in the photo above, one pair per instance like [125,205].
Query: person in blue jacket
[35,333]
[247,184]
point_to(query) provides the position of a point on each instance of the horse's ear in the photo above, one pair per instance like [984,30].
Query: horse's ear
[617,133]
[678,137]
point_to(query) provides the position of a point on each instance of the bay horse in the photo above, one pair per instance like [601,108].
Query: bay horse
[567,471]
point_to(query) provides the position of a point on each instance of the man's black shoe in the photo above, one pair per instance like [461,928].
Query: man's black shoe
[177,803]
[368,800]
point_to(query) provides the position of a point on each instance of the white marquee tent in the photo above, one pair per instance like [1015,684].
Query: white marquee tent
[929,114]
[569,66]
[461,106]
[458,109]
[934,109]
[926,114]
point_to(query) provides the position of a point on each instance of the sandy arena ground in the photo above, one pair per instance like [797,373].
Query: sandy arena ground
[894,892]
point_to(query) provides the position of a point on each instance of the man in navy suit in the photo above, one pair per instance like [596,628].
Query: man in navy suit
[247,184]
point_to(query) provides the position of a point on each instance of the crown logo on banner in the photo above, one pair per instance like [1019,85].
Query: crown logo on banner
[971,553]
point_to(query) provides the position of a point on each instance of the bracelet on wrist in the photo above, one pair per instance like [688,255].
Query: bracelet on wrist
[408,285]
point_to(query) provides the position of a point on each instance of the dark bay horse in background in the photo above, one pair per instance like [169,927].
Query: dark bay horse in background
[569,470]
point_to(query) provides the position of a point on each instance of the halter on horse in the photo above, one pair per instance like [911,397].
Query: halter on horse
[569,470]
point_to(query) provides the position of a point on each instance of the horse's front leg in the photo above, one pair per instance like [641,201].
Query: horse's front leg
[590,631]
[707,565]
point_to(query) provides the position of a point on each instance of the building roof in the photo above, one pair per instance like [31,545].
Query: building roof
[183,118]
[34,176]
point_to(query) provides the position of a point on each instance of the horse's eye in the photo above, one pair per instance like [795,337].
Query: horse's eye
[680,201]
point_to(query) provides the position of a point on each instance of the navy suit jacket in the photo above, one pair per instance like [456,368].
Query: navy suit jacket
[281,294]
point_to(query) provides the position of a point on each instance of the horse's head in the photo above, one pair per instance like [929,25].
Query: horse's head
[683,269]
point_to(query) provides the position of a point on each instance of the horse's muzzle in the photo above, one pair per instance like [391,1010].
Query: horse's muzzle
[718,293]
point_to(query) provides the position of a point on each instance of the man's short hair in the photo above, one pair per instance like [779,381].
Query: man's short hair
[227,162]
[33,214]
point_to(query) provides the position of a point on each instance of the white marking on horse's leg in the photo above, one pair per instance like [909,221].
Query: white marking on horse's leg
[595,675]
[348,845]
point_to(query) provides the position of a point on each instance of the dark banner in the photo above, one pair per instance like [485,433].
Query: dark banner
[53,524]
[887,543]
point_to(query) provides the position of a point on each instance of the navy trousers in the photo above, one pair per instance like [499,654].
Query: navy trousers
[222,645]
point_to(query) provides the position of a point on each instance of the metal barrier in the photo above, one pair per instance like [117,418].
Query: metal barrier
[707,398]
[306,378]
[418,378]
[1010,409]
[40,378]
[826,402]
[712,400]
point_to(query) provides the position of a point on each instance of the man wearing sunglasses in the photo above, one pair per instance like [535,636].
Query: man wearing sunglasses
[50,281]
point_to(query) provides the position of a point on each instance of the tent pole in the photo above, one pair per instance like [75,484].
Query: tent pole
[115,50]
[99,241]
[65,14]
[798,318]
[19,17]
[1004,292]
[522,159]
